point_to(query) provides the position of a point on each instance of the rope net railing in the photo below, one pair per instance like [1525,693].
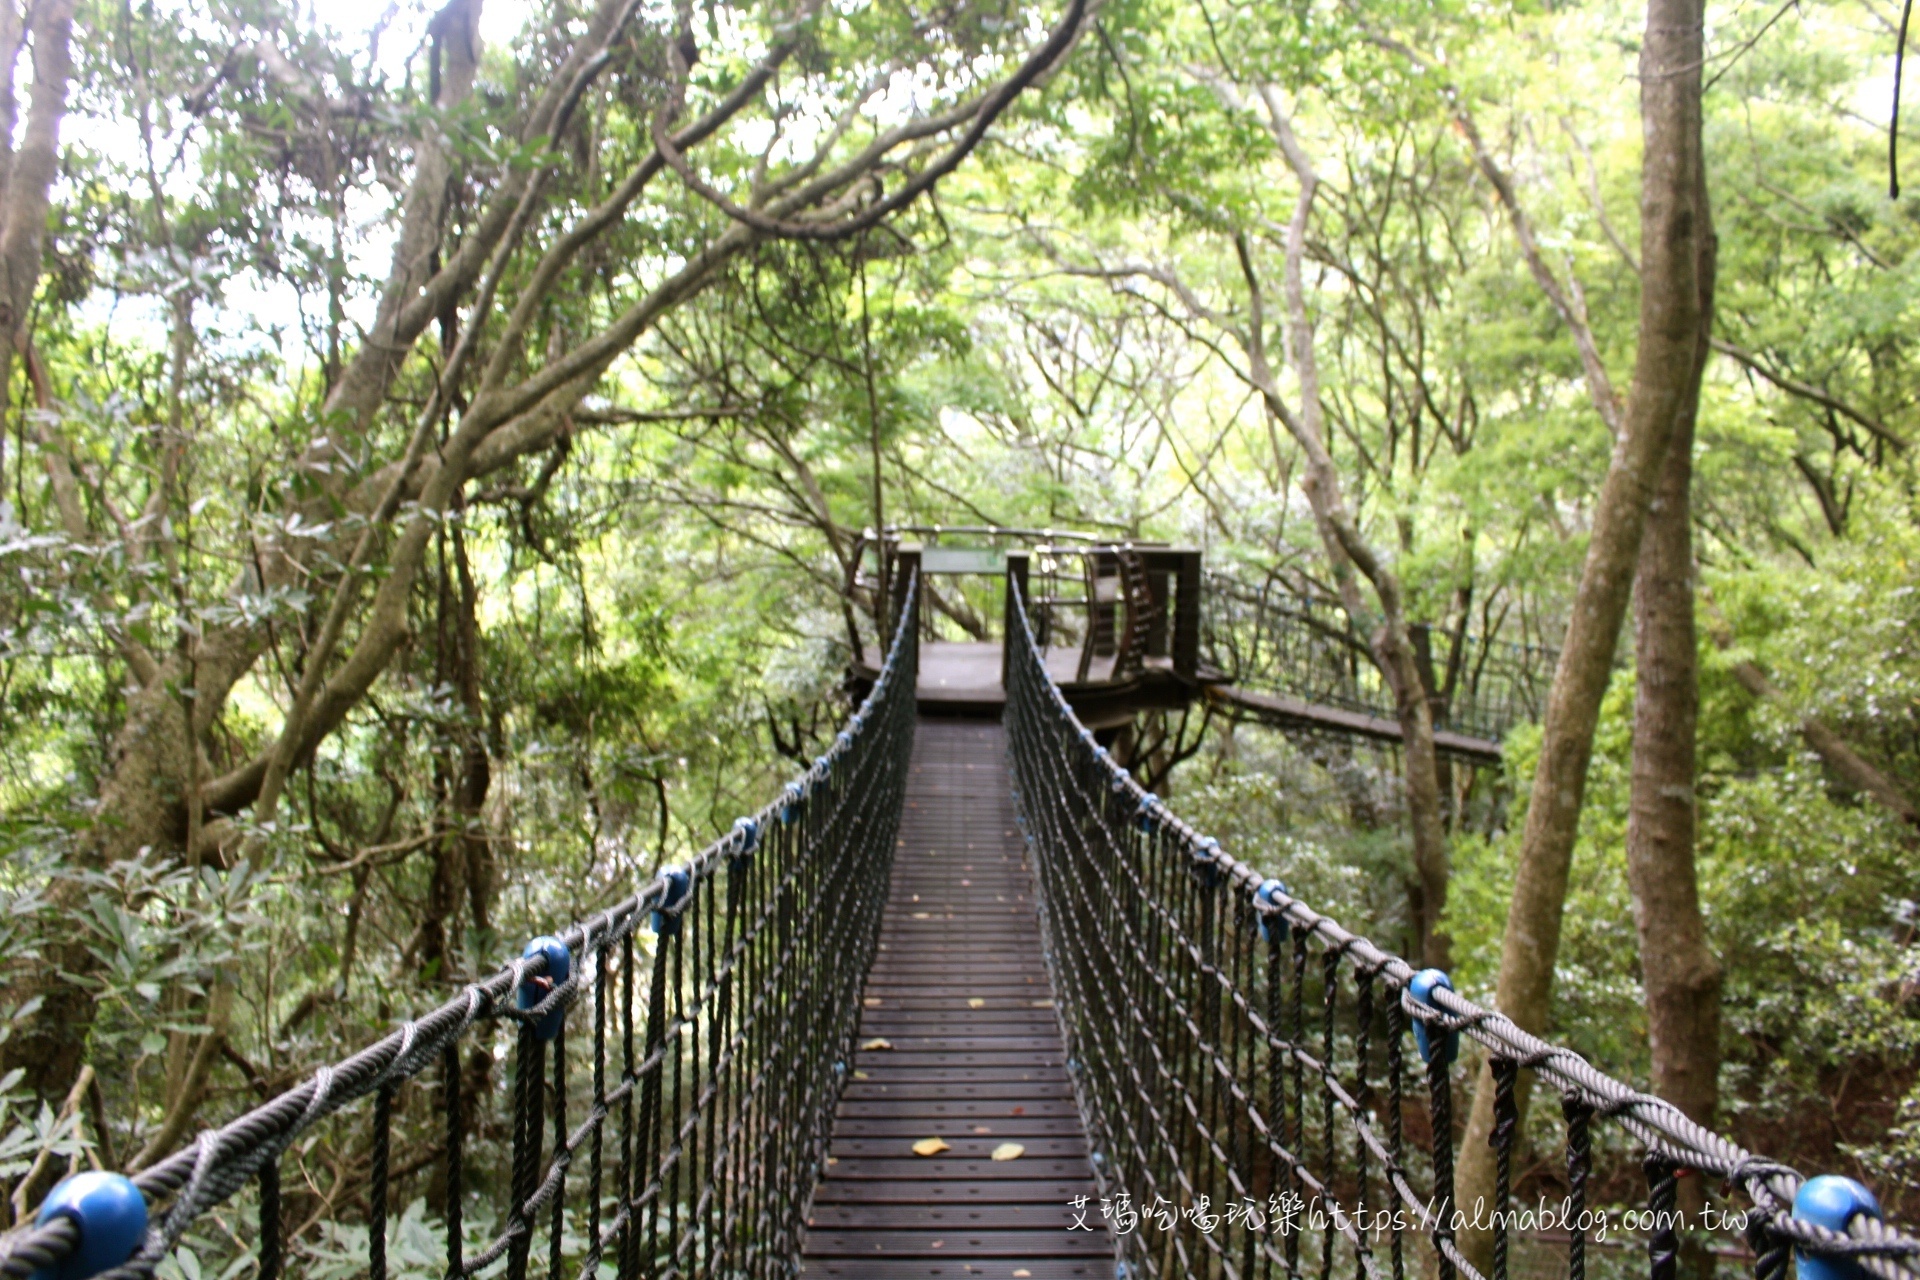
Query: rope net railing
[1243,1068]
[668,1112]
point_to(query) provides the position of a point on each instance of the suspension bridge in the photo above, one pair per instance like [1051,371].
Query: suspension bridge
[964,1000]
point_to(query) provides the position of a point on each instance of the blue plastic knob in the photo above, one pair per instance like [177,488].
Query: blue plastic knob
[666,916]
[1206,861]
[1447,1047]
[1266,899]
[533,990]
[1146,816]
[111,1215]
[1832,1202]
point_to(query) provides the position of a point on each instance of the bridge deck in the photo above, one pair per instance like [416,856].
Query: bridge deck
[953,673]
[960,994]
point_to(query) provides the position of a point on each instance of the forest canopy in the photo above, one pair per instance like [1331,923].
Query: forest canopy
[443,448]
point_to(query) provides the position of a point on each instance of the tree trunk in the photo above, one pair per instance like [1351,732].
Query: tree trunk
[476,764]
[1674,228]
[1681,974]
[1347,550]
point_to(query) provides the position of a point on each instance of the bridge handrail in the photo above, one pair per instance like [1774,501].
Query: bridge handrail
[1880,1249]
[1484,684]
[219,1161]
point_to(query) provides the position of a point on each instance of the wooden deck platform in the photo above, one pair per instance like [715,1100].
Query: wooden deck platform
[970,1053]
[953,672]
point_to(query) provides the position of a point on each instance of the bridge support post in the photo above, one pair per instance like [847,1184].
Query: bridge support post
[906,566]
[1018,563]
[1186,618]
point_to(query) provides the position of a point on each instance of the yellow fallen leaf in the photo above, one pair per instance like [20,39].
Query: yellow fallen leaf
[930,1147]
[1009,1151]
[923,915]
[1043,1004]
[878,1042]
[976,1003]
[873,1002]
[860,1075]
[1021,1271]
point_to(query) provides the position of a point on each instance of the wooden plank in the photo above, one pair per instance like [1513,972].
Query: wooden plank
[940,1085]
[832,1242]
[950,1191]
[932,1269]
[977,1217]
[918,1169]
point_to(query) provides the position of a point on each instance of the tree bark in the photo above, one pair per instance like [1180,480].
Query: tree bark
[1674,228]
[1678,968]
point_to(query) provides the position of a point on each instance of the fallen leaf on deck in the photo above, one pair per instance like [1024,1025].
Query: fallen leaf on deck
[1043,1004]
[860,1075]
[1021,1271]
[873,1002]
[930,1146]
[878,1042]
[981,1128]
[1018,1111]
[923,915]
[1009,1151]
[976,1003]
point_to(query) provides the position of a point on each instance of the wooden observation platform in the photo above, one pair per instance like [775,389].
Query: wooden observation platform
[1125,627]
[1119,622]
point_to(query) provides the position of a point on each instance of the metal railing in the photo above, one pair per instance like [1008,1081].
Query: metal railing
[680,1131]
[1270,638]
[1241,1063]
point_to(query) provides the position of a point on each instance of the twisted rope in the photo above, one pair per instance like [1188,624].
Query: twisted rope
[1882,1250]
[219,1161]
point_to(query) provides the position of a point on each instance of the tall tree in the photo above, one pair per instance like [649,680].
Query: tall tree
[1675,246]
[1681,975]
[515,214]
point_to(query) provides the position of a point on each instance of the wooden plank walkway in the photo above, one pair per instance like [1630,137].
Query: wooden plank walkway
[1291,713]
[960,992]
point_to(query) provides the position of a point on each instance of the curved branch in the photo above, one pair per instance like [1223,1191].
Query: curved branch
[983,114]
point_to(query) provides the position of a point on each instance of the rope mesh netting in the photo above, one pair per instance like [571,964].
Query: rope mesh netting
[1237,1053]
[681,1128]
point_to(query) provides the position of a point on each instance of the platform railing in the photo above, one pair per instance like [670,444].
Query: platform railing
[670,1097]
[1270,638]
[1242,1063]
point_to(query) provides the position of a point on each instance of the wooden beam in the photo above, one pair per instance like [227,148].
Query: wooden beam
[1291,713]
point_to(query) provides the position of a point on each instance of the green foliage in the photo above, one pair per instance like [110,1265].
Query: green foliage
[622,640]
